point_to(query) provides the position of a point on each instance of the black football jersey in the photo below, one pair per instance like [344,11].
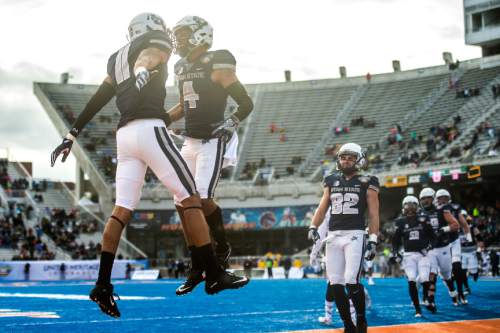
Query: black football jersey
[415,231]
[204,100]
[455,211]
[149,102]
[444,238]
[348,200]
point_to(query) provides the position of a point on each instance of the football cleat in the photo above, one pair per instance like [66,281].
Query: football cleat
[467,291]
[225,280]
[418,314]
[104,297]
[462,299]
[432,307]
[371,282]
[362,326]
[325,320]
[194,278]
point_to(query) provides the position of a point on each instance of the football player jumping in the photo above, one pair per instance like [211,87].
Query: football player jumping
[205,79]
[136,76]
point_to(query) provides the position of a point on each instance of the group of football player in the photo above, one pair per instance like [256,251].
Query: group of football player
[436,239]
[136,76]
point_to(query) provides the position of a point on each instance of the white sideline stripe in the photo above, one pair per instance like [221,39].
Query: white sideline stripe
[6,313]
[75,297]
[242,314]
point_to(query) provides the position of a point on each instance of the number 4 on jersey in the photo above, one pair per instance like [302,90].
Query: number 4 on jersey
[189,94]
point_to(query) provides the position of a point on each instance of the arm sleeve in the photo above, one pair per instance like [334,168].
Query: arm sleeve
[374,184]
[245,105]
[103,95]
[160,40]
[223,59]
[396,238]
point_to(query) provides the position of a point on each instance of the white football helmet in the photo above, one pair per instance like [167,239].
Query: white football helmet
[427,193]
[202,31]
[143,23]
[443,193]
[352,149]
[407,202]
[410,199]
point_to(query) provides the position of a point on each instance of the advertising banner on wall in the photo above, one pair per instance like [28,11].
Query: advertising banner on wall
[52,270]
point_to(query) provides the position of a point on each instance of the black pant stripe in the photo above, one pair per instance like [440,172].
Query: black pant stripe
[173,162]
[361,261]
[221,162]
[181,161]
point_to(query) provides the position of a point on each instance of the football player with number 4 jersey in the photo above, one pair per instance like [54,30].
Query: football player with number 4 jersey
[417,237]
[350,196]
[136,76]
[206,79]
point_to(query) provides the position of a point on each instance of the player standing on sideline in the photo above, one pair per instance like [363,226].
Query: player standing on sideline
[136,76]
[417,235]
[349,195]
[442,221]
[314,257]
[470,264]
[443,197]
[206,79]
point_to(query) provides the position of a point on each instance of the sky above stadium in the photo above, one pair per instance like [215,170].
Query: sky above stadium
[41,39]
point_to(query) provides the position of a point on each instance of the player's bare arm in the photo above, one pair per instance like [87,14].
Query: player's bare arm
[463,224]
[147,62]
[176,112]
[451,220]
[373,211]
[319,215]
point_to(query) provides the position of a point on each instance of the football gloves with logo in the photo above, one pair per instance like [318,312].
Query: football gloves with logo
[64,148]
[313,234]
[226,129]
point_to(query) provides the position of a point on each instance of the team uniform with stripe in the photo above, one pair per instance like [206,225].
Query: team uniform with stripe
[440,255]
[456,250]
[417,235]
[142,138]
[204,103]
[346,227]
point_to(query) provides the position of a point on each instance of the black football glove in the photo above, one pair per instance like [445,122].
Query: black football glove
[64,148]
[371,250]
[396,258]
[313,234]
[226,129]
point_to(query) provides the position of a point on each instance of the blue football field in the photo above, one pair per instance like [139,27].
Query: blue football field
[262,306]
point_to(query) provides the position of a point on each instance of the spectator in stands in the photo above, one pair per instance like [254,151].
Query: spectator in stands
[272,127]
[368,77]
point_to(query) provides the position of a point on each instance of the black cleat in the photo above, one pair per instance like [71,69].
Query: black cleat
[431,307]
[225,280]
[195,277]
[463,299]
[362,326]
[467,291]
[223,257]
[350,328]
[104,297]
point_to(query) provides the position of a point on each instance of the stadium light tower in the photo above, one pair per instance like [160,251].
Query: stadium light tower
[482,25]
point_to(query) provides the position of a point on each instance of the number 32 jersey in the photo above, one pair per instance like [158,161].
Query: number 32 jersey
[204,101]
[348,200]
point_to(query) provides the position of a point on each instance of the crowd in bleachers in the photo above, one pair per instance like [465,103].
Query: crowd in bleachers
[64,227]
[13,235]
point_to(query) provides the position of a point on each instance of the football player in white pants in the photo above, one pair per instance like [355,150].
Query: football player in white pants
[443,222]
[350,195]
[470,265]
[443,197]
[136,76]
[417,235]
[314,258]
[206,79]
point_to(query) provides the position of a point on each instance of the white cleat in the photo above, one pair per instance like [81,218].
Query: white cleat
[418,315]
[325,321]
[371,282]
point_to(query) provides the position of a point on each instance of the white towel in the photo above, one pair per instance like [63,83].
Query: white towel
[231,155]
